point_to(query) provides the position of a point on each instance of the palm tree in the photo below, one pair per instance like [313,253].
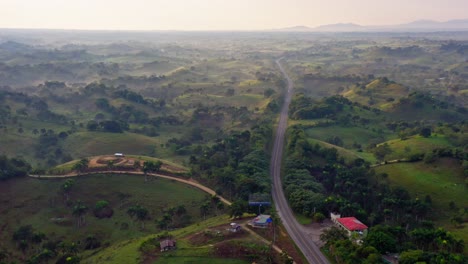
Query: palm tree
[79,211]
[140,213]
[215,201]
[67,186]
[204,208]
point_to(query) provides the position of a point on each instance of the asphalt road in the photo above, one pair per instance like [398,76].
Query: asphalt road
[305,244]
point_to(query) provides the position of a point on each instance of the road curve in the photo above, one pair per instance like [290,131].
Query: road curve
[189,182]
[305,244]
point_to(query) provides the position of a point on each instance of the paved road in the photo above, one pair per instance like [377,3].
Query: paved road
[295,230]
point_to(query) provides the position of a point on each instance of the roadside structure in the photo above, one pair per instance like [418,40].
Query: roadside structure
[261,221]
[351,225]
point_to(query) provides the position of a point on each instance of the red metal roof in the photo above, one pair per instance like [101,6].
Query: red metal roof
[351,223]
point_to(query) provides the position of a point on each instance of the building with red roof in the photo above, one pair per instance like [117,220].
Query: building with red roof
[350,224]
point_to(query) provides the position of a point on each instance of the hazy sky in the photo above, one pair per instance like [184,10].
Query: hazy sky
[220,14]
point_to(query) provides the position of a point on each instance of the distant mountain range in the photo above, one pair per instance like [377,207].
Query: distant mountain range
[419,25]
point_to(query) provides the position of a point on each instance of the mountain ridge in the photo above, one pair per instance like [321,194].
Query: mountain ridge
[417,25]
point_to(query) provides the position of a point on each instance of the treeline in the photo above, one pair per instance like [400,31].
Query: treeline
[33,107]
[303,107]
[421,245]
[410,51]
[13,167]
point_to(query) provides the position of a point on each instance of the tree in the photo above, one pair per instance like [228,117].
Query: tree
[66,188]
[333,234]
[425,132]
[382,241]
[214,202]
[139,213]
[238,208]
[204,209]
[410,256]
[102,209]
[22,235]
[382,150]
[92,242]
[81,165]
[150,166]
[319,217]
[79,211]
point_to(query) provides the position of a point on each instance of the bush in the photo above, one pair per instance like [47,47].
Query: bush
[319,217]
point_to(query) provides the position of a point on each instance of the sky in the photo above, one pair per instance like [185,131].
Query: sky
[220,14]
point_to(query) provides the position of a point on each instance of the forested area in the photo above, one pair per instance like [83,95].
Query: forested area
[13,167]
[237,165]
[319,179]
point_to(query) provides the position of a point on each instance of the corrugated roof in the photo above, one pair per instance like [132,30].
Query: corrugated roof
[351,223]
[167,243]
[262,219]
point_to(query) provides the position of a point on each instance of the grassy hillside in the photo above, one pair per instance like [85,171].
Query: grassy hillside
[188,251]
[378,93]
[403,149]
[83,144]
[442,180]
[27,201]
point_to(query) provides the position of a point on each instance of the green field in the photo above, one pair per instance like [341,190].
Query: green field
[348,155]
[349,135]
[443,180]
[28,201]
[415,145]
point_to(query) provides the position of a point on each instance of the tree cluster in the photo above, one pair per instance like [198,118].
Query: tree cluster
[13,167]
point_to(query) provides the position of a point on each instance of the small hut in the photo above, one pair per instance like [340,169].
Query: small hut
[167,244]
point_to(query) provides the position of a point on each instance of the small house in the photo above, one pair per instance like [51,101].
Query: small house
[167,244]
[119,155]
[261,221]
[350,224]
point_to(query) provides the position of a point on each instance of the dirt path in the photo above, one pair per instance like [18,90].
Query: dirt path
[188,182]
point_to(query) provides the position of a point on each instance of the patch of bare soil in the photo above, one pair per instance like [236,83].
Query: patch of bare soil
[174,169]
[250,251]
[215,235]
[283,241]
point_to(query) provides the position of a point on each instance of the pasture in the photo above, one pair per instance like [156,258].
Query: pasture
[36,202]
[442,180]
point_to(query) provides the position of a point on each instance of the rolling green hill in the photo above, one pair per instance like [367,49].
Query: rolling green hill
[442,180]
[378,93]
[42,204]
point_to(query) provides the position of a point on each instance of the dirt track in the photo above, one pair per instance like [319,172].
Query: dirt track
[189,182]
